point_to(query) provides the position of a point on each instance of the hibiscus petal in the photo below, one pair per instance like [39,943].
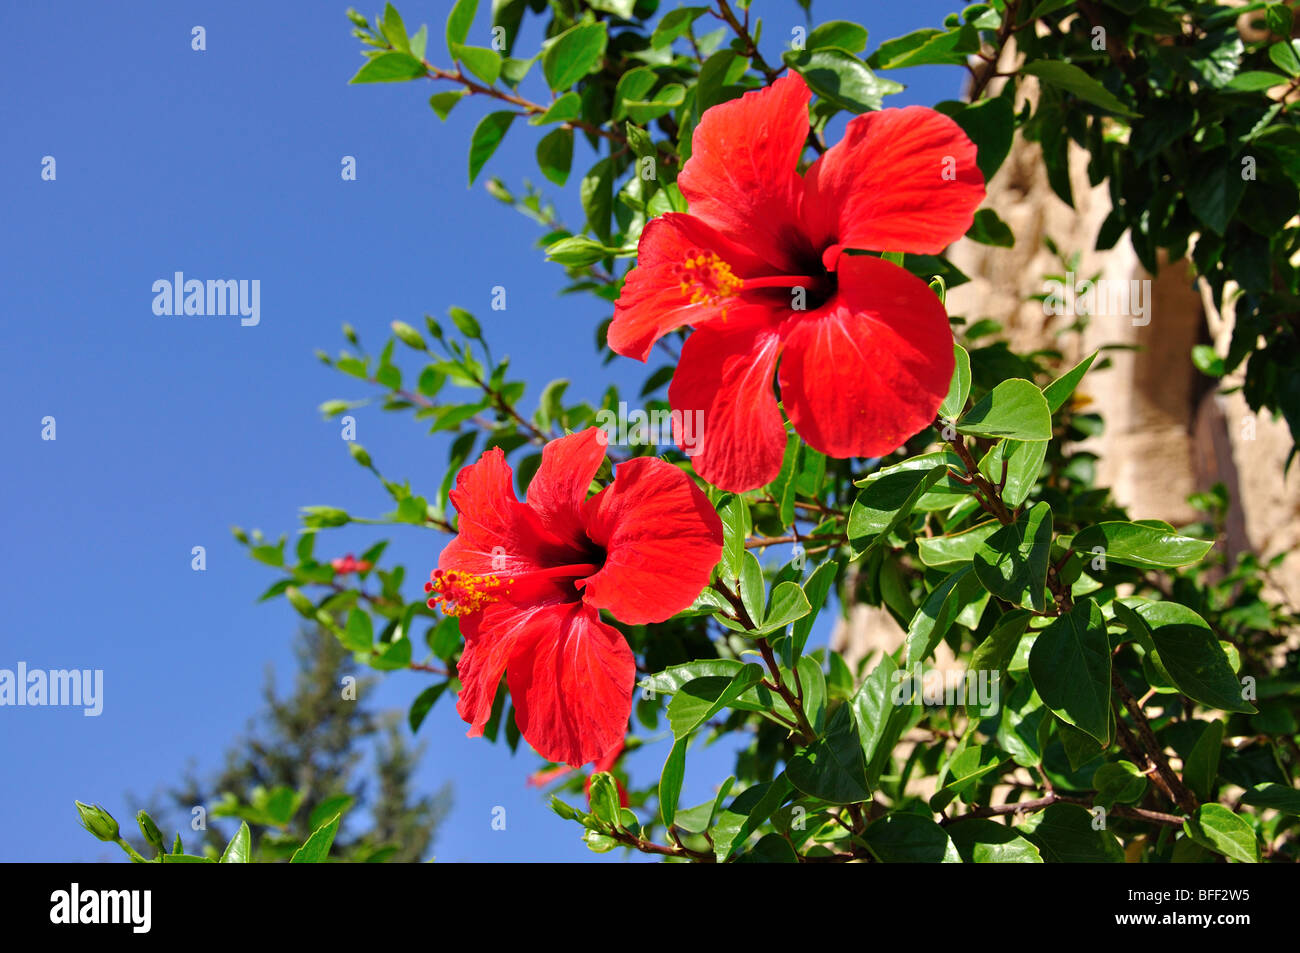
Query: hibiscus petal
[570,680]
[560,485]
[742,175]
[654,301]
[870,369]
[900,180]
[662,538]
[724,383]
[490,637]
[496,533]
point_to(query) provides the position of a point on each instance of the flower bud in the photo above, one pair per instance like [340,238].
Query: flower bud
[149,829]
[409,336]
[300,602]
[98,821]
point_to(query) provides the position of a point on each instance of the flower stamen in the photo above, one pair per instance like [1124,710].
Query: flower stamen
[460,593]
[706,278]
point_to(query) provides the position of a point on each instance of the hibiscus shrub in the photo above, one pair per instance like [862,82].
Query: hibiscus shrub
[841,440]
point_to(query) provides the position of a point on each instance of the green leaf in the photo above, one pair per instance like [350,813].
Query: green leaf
[1015,409]
[670,781]
[676,23]
[487,136]
[886,500]
[990,124]
[813,680]
[1118,781]
[995,653]
[1059,391]
[1255,81]
[1023,724]
[1012,563]
[1070,668]
[317,847]
[555,155]
[927,47]
[939,611]
[788,603]
[423,704]
[391,67]
[482,62]
[671,679]
[734,512]
[358,635]
[982,841]
[1201,767]
[838,33]
[1223,832]
[988,229]
[572,54]
[742,817]
[394,29]
[1270,794]
[1024,463]
[338,804]
[965,770]
[841,78]
[633,85]
[392,656]
[956,549]
[1071,79]
[1139,545]
[597,194]
[1286,56]
[1215,188]
[564,109]
[459,22]
[770,849]
[1207,360]
[833,769]
[958,387]
[901,838]
[699,700]
[784,488]
[816,589]
[1065,834]
[419,42]
[667,99]
[881,716]
[1188,651]
[240,847]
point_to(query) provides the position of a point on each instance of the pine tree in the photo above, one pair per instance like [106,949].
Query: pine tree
[314,741]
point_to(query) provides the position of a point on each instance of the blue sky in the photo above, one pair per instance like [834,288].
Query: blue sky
[226,163]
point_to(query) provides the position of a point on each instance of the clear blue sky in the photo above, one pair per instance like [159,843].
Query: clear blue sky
[225,163]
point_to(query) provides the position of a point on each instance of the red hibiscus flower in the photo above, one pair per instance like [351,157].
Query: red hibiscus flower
[539,779]
[758,268]
[529,578]
[349,564]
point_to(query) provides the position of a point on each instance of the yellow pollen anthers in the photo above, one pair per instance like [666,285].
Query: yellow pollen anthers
[460,593]
[707,278]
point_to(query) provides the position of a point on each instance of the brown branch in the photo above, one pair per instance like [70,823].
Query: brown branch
[1164,777]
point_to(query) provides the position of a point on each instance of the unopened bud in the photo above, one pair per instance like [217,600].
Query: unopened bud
[98,821]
